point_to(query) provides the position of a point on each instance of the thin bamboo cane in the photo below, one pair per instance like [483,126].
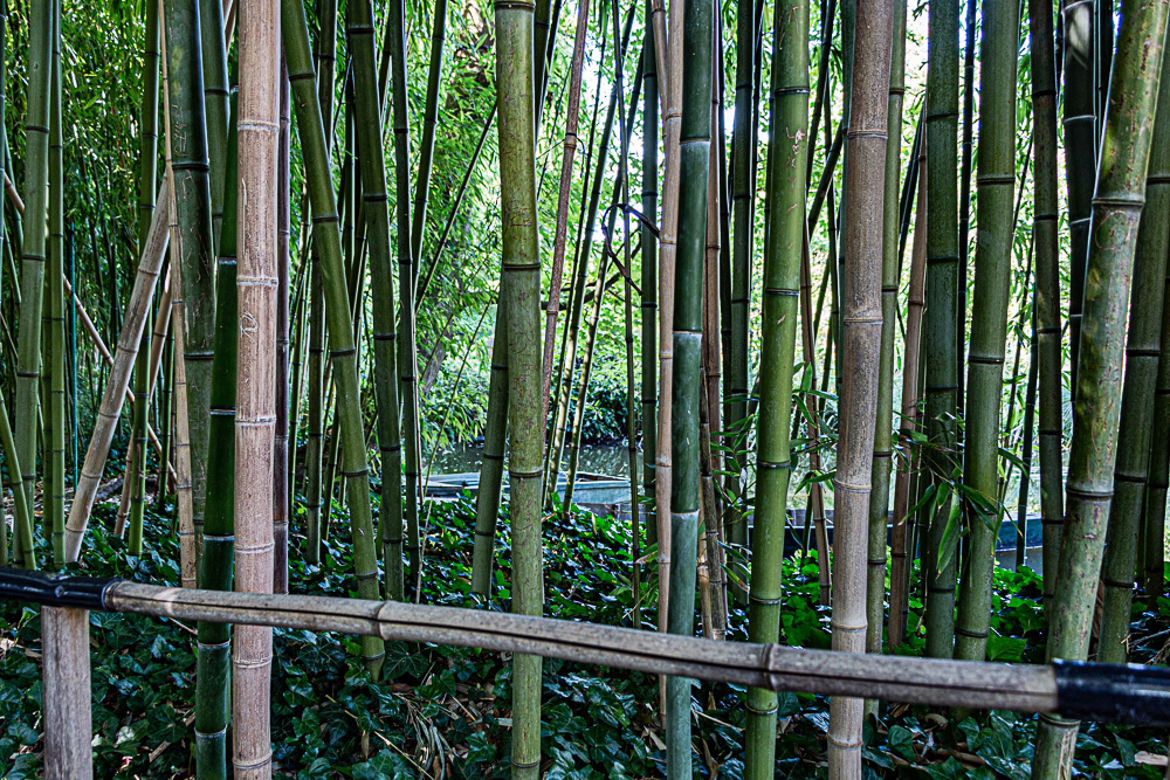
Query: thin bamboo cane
[24,551]
[213,55]
[427,145]
[743,192]
[520,286]
[487,497]
[1154,579]
[54,447]
[577,300]
[1142,348]
[1047,301]
[371,156]
[786,229]
[879,501]
[324,57]
[28,369]
[993,256]
[900,546]
[1080,133]
[407,273]
[861,332]
[1117,209]
[147,184]
[134,321]
[327,239]
[649,302]
[563,197]
[258,140]
[280,454]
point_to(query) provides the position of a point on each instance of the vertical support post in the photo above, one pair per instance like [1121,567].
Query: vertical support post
[68,723]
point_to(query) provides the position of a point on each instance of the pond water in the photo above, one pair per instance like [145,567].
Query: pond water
[610,459]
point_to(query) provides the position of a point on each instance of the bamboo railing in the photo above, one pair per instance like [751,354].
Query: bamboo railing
[1084,691]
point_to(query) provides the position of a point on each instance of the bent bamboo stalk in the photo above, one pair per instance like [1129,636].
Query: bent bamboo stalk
[133,322]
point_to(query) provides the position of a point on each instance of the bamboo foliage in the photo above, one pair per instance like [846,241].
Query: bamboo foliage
[1117,208]
[785,237]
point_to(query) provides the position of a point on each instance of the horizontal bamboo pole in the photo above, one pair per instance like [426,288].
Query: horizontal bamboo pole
[1104,692]
[895,678]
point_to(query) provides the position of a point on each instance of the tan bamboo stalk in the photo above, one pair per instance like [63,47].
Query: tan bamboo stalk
[68,723]
[258,140]
[669,54]
[861,330]
[117,385]
[899,554]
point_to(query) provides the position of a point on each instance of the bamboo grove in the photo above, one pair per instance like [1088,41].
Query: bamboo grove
[866,291]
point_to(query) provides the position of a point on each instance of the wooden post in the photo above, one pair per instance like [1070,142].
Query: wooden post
[68,726]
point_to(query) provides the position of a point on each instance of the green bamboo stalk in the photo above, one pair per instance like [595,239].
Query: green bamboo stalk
[371,156]
[407,274]
[941,315]
[147,184]
[1117,208]
[1047,301]
[32,271]
[520,286]
[327,238]
[1080,141]
[879,502]
[785,231]
[993,256]
[1142,349]
[695,140]
[861,333]
[194,248]
[213,673]
[54,505]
